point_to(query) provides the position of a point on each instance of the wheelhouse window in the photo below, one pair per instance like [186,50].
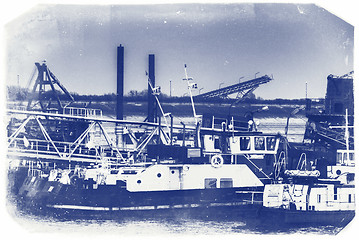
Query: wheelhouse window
[351,156]
[259,143]
[226,183]
[345,157]
[335,193]
[210,183]
[339,157]
[245,143]
[270,143]
[217,143]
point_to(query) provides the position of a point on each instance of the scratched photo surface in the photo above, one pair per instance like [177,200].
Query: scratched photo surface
[180,119]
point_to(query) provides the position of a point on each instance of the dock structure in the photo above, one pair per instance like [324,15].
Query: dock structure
[340,95]
[324,128]
[46,83]
[243,88]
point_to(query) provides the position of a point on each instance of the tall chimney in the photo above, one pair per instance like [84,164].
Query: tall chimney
[119,95]
[151,114]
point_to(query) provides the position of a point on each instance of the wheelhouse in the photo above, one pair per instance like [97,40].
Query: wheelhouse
[345,157]
[257,144]
[243,144]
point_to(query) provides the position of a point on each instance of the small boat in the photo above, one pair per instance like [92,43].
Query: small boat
[304,197]
[323,202]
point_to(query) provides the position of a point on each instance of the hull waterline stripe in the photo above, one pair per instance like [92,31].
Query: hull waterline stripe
[178,206]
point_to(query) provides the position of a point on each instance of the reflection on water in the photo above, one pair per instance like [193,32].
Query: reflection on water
[153,224]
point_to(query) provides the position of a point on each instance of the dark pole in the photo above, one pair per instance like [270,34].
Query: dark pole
[120,78]
[184,134]
[151,114]
[171,140]
[159,131]
[170,88]
[119,94]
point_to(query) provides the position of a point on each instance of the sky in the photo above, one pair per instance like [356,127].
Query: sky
[220,43]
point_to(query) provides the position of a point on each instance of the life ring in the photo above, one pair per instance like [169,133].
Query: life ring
[217,161]
[75,180]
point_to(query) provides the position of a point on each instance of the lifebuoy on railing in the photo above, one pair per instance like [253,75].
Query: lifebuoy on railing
[74,180]
[217,161]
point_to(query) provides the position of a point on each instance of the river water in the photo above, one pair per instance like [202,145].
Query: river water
[173,225]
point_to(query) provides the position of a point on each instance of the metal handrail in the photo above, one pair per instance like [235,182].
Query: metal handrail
[84,112]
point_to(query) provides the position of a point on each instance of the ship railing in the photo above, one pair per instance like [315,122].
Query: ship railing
[42,147]
[33,171]
[18,107]
[335,204]
[253,195]
[83,112]
[34,156]
[25,108]
[72,111]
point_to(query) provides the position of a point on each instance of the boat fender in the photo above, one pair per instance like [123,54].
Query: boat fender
[217,161]
[59,175]
[74,180]
[316,173]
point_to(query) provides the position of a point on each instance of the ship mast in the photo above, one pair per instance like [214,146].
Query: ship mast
[346,134]
[190,86]
[155,92]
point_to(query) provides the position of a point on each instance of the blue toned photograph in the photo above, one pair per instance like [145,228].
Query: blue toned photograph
[184,119]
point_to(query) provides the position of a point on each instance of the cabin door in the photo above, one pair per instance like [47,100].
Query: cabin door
[174,179]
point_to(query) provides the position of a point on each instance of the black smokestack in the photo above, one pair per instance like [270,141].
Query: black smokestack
[151,114]
[120,77]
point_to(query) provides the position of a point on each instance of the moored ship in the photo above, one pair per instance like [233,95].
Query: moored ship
[306,198]
[63,158]
[307,195]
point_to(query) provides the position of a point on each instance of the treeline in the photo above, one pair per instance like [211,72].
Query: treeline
[14,93]
[22,94]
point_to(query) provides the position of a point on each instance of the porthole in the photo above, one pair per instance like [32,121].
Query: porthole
[173,171]
[139,181]
[159,175]
[338,172]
